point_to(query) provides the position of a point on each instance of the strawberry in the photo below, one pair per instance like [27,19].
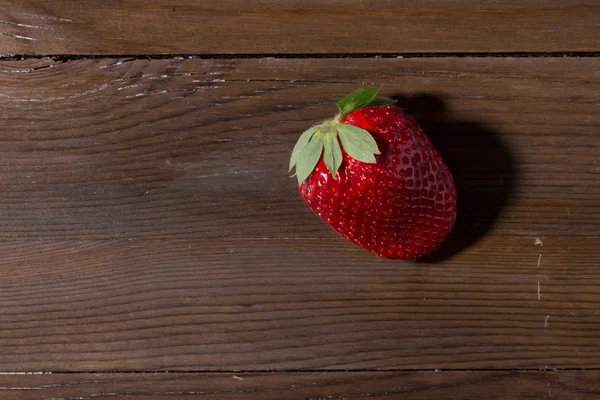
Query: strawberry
[374,176]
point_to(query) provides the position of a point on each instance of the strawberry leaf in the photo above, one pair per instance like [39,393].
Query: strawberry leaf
[333,154]
[308,157]
[379,101]
[301,144]
[356,100]
[358,143]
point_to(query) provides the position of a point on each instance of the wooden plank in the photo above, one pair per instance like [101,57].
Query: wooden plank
[214,305]
[505,385]
[103,149]
[287,27]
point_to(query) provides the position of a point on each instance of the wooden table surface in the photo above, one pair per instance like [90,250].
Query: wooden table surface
[152,244]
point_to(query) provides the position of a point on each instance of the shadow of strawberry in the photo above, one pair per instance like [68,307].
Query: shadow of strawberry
[481,164]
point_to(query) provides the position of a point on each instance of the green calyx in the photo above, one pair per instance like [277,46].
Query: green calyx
[362,98]
[324,140]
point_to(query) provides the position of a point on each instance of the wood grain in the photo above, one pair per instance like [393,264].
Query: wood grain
[287,27]
[505,385]
[214,305]
[153,245]
[192,149]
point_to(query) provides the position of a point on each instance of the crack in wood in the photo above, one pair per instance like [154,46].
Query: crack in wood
[21,25]
[17,36]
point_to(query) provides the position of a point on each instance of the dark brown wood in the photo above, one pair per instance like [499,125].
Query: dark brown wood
[153,245]
[284,27]
[213,305]
[114,149]
[501,385]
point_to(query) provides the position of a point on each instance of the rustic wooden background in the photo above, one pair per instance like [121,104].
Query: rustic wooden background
[153,245]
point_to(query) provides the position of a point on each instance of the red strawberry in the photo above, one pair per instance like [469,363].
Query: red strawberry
[386,188]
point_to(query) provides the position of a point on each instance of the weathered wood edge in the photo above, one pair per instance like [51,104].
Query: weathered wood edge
[572,385]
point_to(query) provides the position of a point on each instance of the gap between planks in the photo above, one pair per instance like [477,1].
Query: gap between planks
[132,57]
[297,371]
